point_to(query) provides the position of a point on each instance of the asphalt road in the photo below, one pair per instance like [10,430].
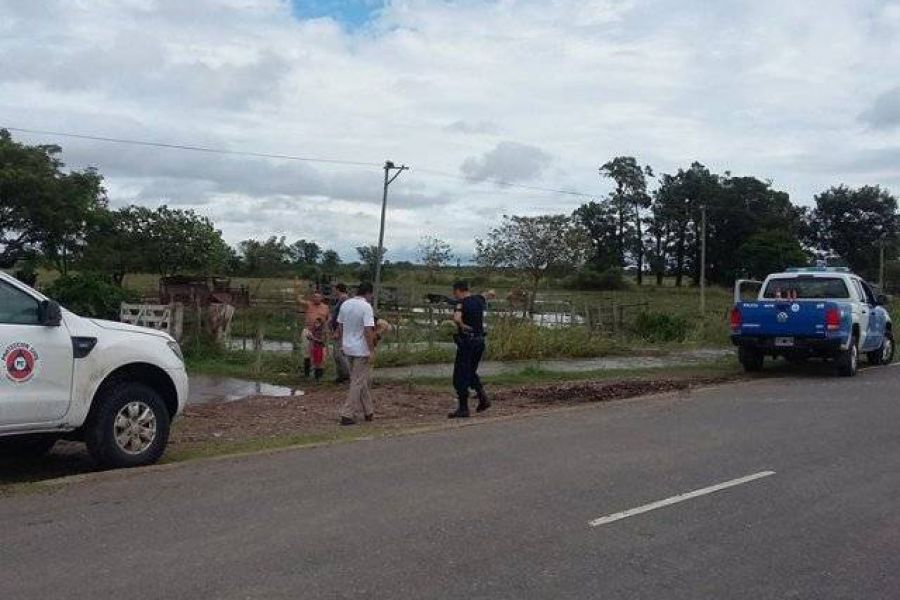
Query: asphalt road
[502,510]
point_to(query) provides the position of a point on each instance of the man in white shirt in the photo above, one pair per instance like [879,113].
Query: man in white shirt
[356,328]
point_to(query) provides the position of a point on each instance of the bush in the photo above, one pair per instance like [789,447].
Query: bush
[512,338]
[661,327]
[594,280]
[90,295]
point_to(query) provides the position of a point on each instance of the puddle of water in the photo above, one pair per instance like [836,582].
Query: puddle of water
[209,389]
[288,347]
[239,343]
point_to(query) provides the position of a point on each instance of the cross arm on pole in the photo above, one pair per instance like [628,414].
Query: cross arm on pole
[400,169]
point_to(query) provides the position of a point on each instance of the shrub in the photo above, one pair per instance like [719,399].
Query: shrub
[90,295]
[661,327]
[591,279]
[512,338]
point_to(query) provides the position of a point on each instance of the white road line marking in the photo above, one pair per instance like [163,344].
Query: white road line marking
[679,498]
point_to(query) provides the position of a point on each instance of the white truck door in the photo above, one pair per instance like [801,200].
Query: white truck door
[746,290]
[36,362]
[864,313]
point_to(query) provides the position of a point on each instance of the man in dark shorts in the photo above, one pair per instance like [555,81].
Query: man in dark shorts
[342,367]
[469,318]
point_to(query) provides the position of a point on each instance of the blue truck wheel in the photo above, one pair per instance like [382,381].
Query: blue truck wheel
[885,354]
[847,361]
[751,359]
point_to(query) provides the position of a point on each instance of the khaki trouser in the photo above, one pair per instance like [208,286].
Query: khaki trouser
[359,398]
[341,364]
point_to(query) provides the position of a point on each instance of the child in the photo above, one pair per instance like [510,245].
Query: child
[316,337]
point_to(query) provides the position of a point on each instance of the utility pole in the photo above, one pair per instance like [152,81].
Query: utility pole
[703,260]
[388,180]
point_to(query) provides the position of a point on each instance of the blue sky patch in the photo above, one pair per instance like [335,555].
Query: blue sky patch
[350,13]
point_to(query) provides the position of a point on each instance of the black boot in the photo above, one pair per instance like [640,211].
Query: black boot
[318,374]
[483,402]
[307,367]
[462,412]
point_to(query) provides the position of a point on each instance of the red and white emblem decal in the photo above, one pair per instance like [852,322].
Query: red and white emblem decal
[21,362]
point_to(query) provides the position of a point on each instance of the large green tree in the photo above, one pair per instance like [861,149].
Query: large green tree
[43,207]
[434,254]
[304,253]
[117,243]
[600,224]
[678,202]
[743,208]
[853,224]
[267,258]
[181,241]
[532,245]
[769,252]
[368,257]
[331,261]
[737,208]
[629,199]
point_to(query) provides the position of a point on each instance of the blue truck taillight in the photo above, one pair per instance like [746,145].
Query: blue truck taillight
[833,319]
[736,319]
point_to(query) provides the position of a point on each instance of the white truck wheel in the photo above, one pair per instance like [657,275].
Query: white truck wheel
[130,427]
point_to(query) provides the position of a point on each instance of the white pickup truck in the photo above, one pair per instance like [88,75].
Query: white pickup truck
[115,386]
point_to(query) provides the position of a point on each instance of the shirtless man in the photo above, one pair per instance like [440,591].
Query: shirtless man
[315,308]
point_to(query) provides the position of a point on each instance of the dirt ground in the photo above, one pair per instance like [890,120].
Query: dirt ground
[397,406]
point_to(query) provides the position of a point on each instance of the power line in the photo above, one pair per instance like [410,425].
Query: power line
[194,148]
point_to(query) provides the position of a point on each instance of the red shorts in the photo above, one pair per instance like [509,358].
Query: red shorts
[317,354]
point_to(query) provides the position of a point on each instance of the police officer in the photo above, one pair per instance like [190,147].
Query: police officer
[469,318]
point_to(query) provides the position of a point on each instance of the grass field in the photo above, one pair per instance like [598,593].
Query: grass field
[417,338]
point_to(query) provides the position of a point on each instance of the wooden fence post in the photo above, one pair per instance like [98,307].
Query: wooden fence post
[258,346]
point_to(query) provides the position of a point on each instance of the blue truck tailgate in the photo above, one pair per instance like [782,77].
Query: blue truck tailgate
[788,318]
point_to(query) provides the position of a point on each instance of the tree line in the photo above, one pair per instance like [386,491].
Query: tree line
[648,225]
[751,229]
[53,217]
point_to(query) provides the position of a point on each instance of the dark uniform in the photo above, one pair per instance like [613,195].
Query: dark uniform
[469,350]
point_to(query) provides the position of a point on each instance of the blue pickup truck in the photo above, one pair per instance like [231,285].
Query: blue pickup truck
[820,312]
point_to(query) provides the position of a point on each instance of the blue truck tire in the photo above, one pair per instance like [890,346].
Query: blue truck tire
[751,358]
[847,361]
[885,354]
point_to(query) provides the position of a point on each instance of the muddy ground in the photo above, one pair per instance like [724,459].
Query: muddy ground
[396,406]
[210,428]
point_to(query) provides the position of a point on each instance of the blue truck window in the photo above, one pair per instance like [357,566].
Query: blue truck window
[800,288]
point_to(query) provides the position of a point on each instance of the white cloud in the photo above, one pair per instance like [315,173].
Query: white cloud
[885,111]
[799,92]
[507,162]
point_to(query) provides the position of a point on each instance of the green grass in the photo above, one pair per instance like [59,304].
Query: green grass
[225,448]
[510,339]
[726,367]
[286,368]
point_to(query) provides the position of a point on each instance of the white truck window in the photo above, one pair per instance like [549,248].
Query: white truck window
[800,288]
[17,307]
[868,294]
[859,290]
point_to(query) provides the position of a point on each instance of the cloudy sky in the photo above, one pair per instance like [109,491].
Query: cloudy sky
[466,92]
